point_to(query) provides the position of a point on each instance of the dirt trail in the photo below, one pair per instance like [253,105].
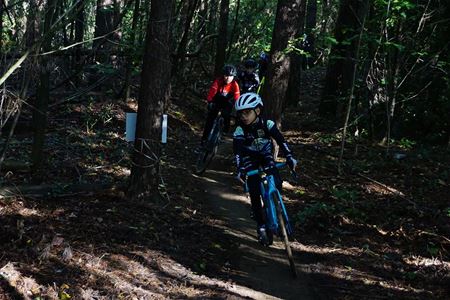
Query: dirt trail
[265,270]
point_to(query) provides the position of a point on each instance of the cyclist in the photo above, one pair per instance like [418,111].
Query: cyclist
[248,77]
[222,94]
[263,63]
[252,147]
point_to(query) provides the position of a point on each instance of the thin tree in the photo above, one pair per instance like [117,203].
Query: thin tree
[181,49]
[294,86]
[129,66]
[222,39]
[79,36]
[42,96]
[153,98]
[350,96]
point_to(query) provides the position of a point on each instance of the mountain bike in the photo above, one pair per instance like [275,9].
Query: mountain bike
[206,154]
[277,220]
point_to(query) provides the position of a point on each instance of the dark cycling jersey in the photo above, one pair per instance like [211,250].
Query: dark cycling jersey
[248,82]
[254,141]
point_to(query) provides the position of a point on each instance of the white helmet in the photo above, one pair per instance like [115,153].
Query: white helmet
[248,101]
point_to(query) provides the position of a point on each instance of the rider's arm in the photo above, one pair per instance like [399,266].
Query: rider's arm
[213,90]
[236,90]
[238,145]
[279,138]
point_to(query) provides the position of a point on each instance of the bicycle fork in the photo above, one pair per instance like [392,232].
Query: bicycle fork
[268,187]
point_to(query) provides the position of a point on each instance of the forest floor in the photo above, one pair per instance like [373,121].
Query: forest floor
[381,230]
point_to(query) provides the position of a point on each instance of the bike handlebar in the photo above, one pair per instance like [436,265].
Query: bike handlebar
[261,170]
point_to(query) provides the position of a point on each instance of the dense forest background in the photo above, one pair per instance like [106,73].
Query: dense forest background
[386,61]
[368,78]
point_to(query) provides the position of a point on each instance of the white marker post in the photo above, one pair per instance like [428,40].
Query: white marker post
[164,129]
[130,127]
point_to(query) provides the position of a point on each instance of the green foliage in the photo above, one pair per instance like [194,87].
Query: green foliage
[105,69]
[253,32]
[432,249]
[313,212]
[95,115]
[344,194]
[406,143]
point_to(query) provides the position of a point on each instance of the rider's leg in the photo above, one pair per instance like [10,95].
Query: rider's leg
[226,113]
[253,183]
[212,114]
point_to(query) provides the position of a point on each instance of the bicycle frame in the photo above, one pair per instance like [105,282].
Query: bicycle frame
[268,190]
[212,144]
[277,221]
[215,132]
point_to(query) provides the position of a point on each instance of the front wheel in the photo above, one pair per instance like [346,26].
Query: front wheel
[284,235]
[205,157]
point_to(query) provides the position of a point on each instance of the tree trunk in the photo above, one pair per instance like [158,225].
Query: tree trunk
[343,58]
[104,20]
[233,29]
[202,30]
[153,99]
[129,66]
[222,39]
[212,16]
[79,36]
[42,97]
[310,25]
[181,49]
[294,86]
[2,5]
[277,78]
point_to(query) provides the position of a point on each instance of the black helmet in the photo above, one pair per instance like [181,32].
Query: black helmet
[229,70]
[250,64]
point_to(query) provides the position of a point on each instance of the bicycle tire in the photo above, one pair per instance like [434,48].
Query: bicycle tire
[284,235]
[205,157]
[203,160]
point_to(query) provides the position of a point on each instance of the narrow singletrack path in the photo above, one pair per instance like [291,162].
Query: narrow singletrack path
[264,270]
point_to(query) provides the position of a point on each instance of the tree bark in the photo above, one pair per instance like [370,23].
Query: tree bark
[277,78]
[153,99]
[181,49]
[233,29]
[212,16]
[129,66]
[202,30]
[79,36]
[104,20]
[222,39]
[2,5]
[310,24]
[42,97]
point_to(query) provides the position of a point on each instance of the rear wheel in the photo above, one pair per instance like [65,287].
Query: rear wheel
[284,235]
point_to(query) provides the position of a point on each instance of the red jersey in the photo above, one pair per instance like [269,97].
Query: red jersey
[230,91]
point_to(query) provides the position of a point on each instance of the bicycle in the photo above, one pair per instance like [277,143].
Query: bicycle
[277,220]
[206,154]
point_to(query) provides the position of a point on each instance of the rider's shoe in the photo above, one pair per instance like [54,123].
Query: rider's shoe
[263,239]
